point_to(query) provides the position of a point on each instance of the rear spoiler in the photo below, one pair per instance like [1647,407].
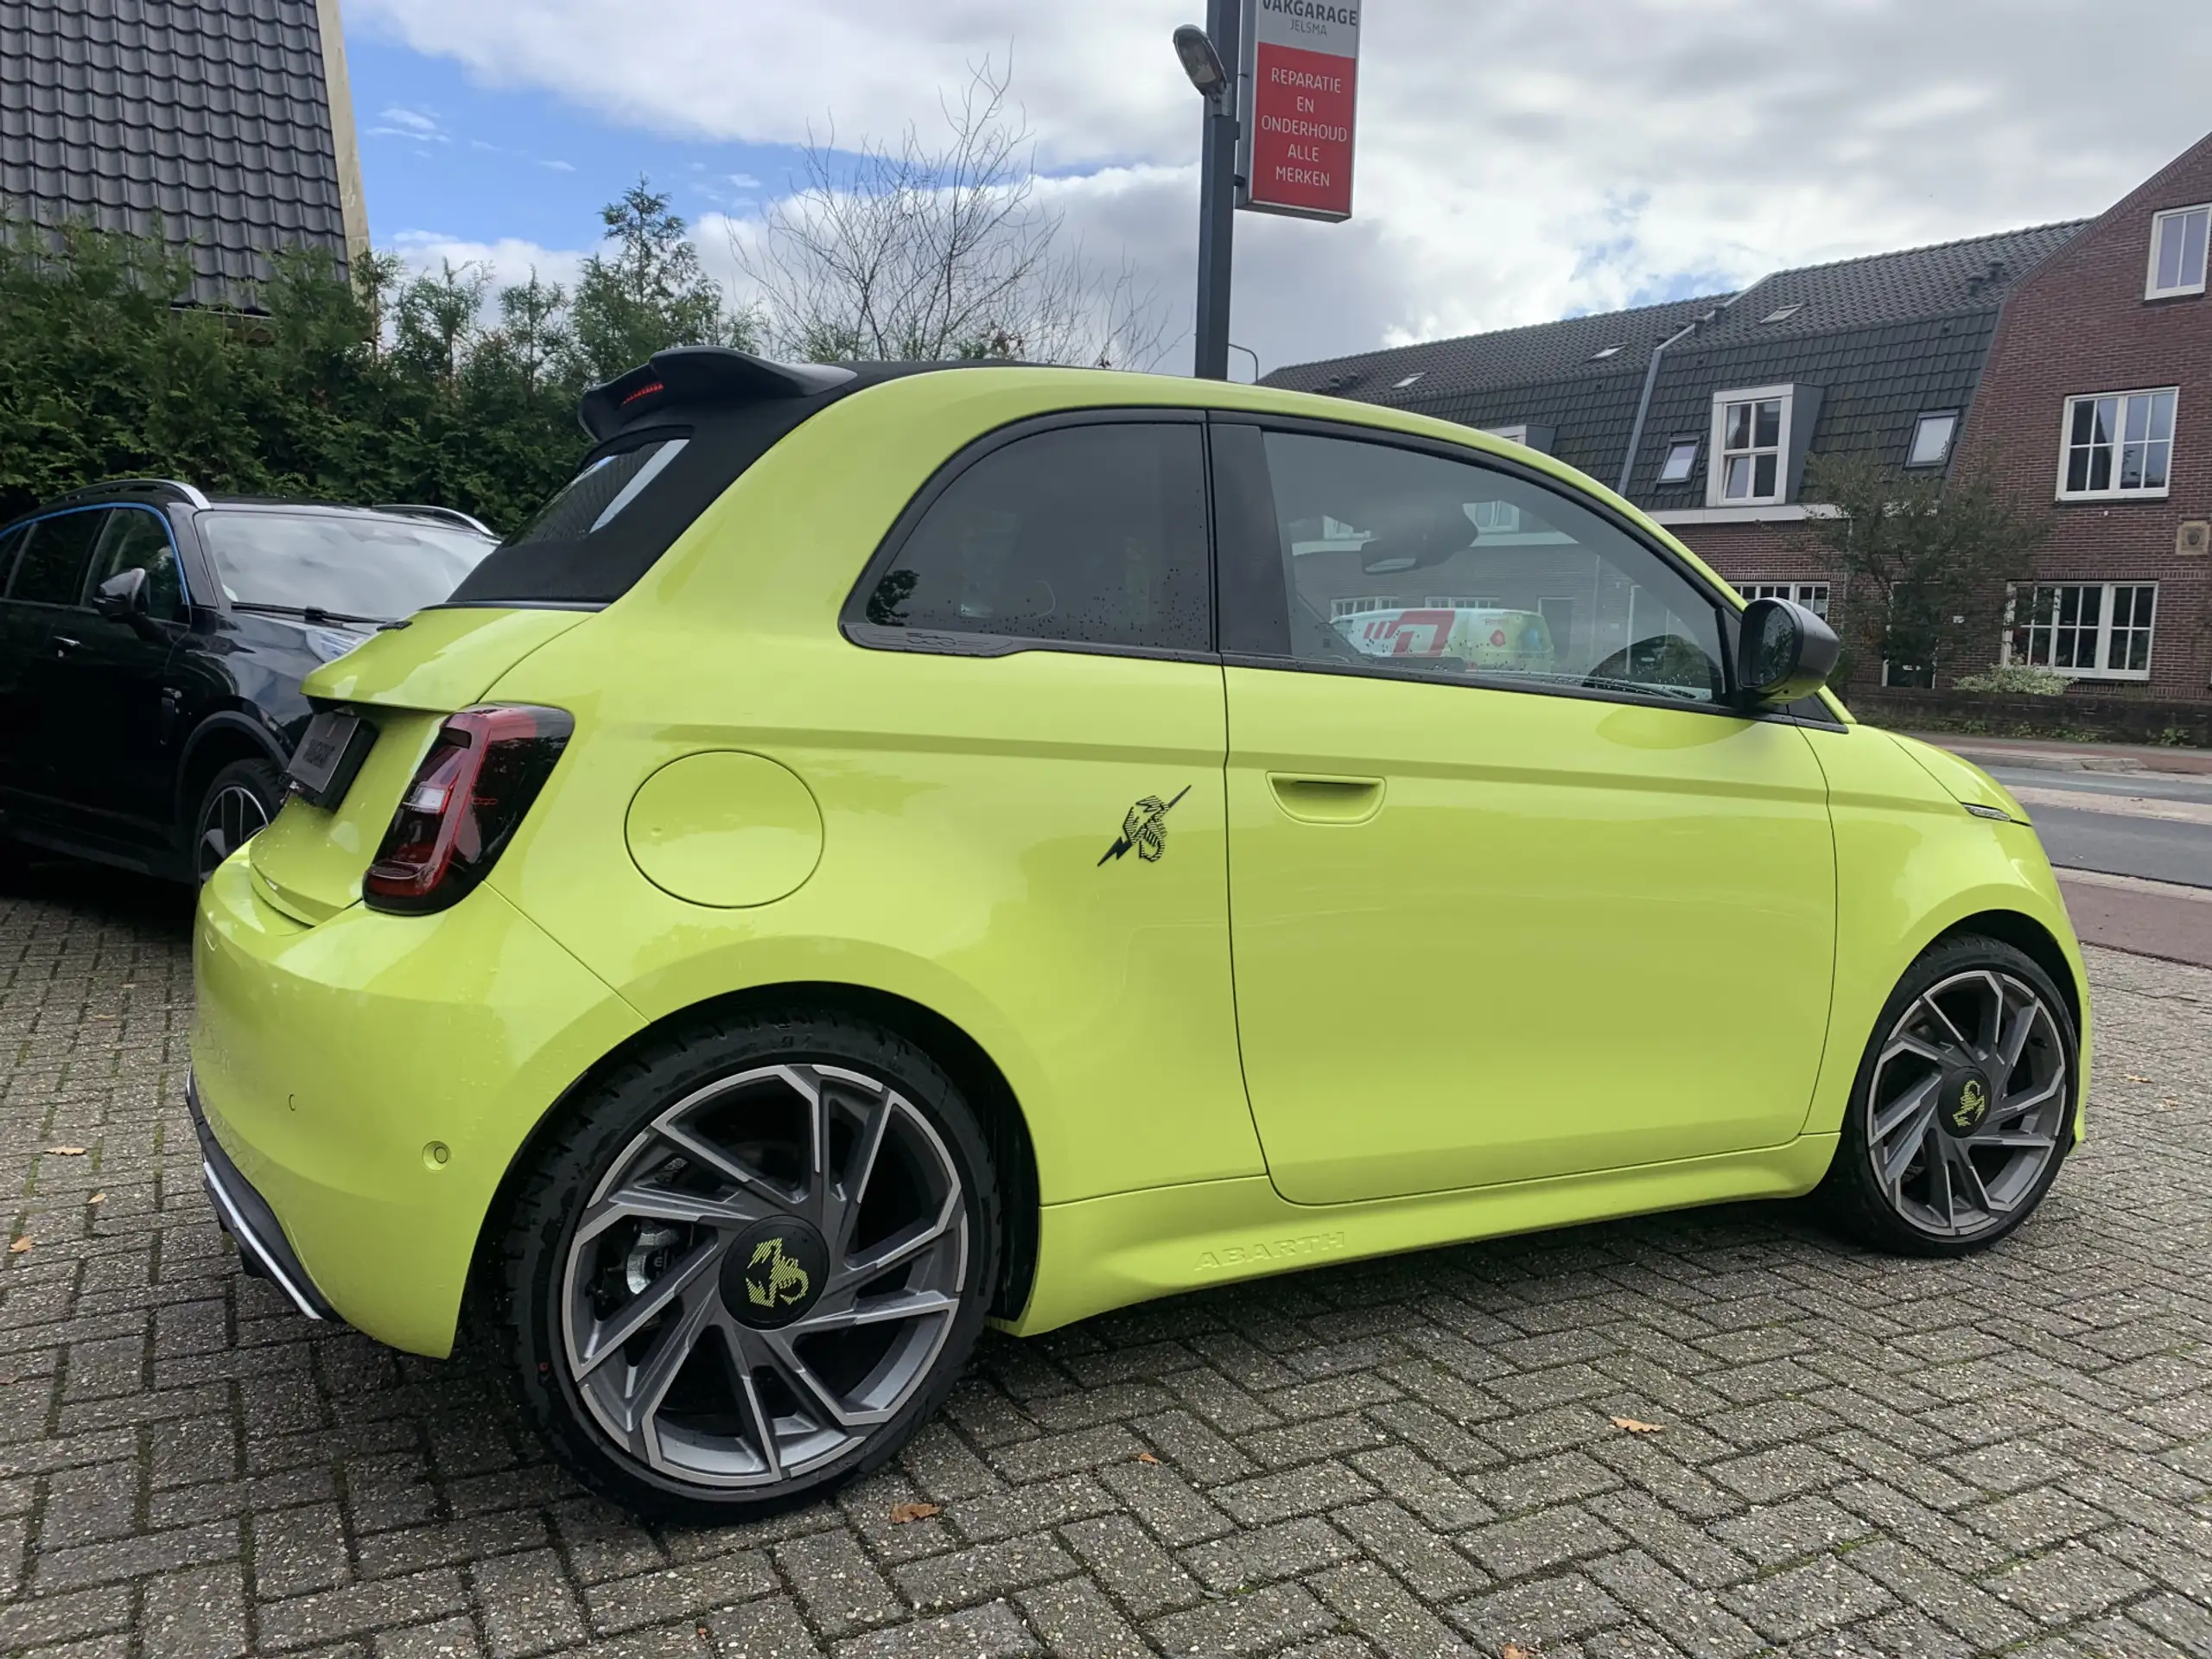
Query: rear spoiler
[700,374]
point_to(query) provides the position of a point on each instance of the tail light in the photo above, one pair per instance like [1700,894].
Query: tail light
[466,798]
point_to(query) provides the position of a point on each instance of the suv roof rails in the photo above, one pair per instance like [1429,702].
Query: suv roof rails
[451,515]
[188,491]
[701,374]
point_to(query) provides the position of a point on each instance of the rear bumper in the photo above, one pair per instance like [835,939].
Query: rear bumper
[253,1226]
[369,1081]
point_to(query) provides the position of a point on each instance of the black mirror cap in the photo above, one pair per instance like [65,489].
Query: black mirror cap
[1784,652]
[122,595]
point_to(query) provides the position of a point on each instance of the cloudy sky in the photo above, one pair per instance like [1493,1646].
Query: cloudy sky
[1517,161]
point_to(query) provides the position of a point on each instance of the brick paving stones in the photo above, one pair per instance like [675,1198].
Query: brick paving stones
[1858,1455]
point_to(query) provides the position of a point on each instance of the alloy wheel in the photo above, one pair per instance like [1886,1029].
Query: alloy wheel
[232,816]
[1966,1105]
[765,1275]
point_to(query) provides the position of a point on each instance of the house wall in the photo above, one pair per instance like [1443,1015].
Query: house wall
[2080,323]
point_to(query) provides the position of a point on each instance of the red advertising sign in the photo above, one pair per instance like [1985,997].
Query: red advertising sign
[1301,66]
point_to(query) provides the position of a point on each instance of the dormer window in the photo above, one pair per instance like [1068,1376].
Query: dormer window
[1682,460]
[1751,433]
[2177,248]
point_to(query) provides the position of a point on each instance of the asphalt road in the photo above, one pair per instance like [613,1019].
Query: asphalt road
[2157,828]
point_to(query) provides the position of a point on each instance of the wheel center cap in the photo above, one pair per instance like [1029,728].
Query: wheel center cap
[774,1272]
[1965,1101]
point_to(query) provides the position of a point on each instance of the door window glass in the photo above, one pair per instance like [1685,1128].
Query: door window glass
[139,541]
[11,544]
[51,569]
[1535,588]
[1090,534]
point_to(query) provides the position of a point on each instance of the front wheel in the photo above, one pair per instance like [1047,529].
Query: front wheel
[235,806]
[1963,1107]
[751,1264]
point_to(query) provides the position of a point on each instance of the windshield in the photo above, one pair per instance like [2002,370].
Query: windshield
[347,565]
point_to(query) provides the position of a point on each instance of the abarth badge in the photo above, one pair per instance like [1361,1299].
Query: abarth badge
[1145,828]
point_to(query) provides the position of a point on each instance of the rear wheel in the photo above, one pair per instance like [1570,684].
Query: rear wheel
[235,806]
[751,1266]
[1963,1107]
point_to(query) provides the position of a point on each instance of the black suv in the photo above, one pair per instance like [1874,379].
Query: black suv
[152,644]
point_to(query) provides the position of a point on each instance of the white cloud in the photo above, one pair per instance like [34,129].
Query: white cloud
[1516,163]
[400,121]
[507,261]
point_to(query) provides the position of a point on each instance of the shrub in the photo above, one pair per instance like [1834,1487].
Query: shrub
[2016,679]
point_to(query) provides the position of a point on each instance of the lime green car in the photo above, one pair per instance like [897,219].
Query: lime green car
[891,849]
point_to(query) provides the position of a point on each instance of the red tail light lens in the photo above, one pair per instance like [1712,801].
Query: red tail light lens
[462,808]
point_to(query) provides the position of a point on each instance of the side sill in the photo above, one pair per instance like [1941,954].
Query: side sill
[1098,1254]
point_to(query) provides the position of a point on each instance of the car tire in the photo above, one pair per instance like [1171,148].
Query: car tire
[237,805]
[1947,1146]
[699,1327]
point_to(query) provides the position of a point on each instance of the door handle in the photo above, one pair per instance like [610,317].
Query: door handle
[63,645]
[1316,799]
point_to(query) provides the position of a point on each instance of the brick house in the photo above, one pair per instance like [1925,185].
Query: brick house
[2097,399]
[226,124]
[1704,412]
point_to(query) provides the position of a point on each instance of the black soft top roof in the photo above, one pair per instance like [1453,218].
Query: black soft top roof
[734,406]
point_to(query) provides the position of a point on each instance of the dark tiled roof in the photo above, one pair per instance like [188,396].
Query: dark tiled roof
[209,117]
[1886,337]
[1511,357]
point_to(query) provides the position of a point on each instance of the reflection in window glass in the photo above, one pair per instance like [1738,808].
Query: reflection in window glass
[593,498]
[1094,534]
[1525,584]
[138,540]
[354,565]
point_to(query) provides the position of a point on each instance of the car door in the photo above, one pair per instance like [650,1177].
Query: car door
[1036,731]
[49,574]
[106,680]
[23,632]
[1507,906]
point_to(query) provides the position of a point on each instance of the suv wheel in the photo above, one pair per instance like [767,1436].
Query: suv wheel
[1963,1106]
[237,805]
[750,1265]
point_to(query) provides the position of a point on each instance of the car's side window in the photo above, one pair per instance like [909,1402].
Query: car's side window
[1395,558]
[1092,535]
[11,544]
[138,540]
[51,570]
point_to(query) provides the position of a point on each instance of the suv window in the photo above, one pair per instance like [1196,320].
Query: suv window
[362,566]
[137,539]
[1395,559]
[51,569]
[11,543]
[1092,535]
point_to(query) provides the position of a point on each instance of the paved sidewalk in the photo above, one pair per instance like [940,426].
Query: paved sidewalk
[2048,755]
[1855,1455]
[2152,919]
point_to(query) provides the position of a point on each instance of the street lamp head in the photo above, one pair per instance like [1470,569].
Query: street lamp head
[1200,61]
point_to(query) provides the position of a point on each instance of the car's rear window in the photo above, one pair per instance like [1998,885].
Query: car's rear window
[598,494]
[349,564]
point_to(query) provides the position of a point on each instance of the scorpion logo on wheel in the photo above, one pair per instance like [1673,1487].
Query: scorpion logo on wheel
[787,1282]
[1145,828]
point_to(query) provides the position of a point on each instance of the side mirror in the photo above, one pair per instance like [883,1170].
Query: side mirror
[1784,652]
[122,596]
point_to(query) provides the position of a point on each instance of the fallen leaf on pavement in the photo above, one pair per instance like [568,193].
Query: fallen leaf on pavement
[67,1152]
[1636,1427]
[97,1197]
[1512,1652]
[2132,1077]
[902,1513]
[1147,1457]
[20,1245]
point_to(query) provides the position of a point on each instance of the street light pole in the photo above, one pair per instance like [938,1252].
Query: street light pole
[1216,80]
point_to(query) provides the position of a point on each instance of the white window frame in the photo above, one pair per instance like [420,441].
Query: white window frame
[2101,653]
[1449,602]
[2158,222]
[1816,595]
[2118,445]
[1716,474]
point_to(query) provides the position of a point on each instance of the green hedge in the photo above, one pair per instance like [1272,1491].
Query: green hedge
[377,391]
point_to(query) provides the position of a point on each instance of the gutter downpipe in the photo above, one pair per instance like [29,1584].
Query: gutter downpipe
[1651,380]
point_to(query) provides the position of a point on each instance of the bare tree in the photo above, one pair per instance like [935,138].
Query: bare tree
[917,252]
